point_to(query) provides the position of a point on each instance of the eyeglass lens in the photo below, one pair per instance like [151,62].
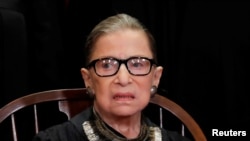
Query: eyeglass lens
[110,66]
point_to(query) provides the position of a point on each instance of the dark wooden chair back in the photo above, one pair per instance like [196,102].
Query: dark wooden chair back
[73,101]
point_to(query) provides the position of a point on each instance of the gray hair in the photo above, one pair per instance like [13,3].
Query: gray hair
[115,23]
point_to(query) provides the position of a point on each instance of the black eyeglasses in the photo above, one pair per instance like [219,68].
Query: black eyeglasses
[138,66]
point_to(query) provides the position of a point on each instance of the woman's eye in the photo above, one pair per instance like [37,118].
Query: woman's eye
[136,65]
[106,65]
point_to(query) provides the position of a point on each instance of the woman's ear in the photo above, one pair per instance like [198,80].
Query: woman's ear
[157,75]
[86,77]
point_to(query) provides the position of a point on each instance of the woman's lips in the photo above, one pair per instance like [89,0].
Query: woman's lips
[123,96]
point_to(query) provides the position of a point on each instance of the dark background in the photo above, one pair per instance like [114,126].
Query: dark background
[202,45]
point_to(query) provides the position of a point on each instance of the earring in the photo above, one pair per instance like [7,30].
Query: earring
[90,92]
[153,91]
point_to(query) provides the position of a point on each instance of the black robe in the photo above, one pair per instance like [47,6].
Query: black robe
[72,130]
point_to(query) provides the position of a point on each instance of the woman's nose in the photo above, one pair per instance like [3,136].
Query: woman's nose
[123,75]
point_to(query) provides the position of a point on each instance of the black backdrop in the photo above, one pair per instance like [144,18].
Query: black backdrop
[202,45]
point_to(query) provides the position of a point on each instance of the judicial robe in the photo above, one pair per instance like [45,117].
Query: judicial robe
[74,130]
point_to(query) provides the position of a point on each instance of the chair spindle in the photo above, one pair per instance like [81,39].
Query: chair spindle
[36,119]
[13,124]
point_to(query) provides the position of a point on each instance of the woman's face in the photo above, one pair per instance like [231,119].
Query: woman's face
[122,94]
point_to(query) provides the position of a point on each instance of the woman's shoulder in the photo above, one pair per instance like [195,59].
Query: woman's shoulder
[167,135]
[173,136]
[60,132]
[68,131]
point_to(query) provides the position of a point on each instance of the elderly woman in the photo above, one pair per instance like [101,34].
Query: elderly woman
[122,75]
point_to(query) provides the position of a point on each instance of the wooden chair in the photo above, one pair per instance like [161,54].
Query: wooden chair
[72,101]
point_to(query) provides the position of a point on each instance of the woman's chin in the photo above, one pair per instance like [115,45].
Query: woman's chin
[126,111]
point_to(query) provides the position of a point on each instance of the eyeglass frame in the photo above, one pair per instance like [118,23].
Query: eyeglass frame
[120,62]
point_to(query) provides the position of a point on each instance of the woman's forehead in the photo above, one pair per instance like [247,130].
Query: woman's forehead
[122,44]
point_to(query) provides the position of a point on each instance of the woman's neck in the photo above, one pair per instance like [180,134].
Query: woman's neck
[128,126]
